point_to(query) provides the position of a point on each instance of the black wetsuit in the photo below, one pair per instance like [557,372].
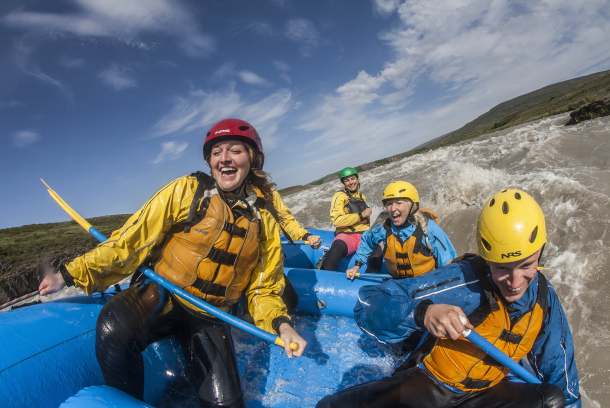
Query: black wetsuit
[416,388]
[143,314]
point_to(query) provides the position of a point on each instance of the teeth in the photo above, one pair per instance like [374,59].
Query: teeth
[515,290]
[228,169]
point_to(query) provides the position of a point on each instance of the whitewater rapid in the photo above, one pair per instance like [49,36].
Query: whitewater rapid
[566,169]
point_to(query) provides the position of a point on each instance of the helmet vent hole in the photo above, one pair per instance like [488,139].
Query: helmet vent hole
[505,207]
[533,235]
[208,134]
[244,127]
[402,191]
[518,196]
[503,191]
[492,202]
[486,244]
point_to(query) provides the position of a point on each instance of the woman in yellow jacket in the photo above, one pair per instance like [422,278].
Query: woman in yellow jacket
[217,237]
[350,215]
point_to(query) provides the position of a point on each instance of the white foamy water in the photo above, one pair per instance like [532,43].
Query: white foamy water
[566,169]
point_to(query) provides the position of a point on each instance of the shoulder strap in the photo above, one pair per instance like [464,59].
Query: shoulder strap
[262,203]
[479,266]
[204,181]
[543,299]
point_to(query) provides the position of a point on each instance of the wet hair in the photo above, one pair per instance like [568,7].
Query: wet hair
[257,177]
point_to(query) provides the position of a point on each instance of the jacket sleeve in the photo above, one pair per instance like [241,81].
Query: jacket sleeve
[289,223]
[267,282]
[338,216]
[389,312]
[552,355]
[127,247]
[442,248]
[368,242]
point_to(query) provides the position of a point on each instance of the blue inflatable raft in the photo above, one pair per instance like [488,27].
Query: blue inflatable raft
[48,354]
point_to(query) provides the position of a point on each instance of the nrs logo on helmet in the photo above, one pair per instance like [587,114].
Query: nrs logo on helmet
[518,253]
[223,131]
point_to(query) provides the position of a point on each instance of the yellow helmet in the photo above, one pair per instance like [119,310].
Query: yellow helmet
[511,227]
[400,189]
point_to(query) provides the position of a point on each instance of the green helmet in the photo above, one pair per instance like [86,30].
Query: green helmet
[346,172]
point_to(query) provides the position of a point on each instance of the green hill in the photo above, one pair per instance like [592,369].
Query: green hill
[548,101]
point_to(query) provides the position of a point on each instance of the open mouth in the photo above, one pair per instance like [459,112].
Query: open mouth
[228,172]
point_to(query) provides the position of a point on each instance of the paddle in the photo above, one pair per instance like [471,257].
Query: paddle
[297,242]
[373,275]
[224,316]
[19,299]
[499,356]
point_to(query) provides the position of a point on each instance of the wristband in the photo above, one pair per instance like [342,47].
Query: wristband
[358,263]
[68,279]
[277,322]
[420,312]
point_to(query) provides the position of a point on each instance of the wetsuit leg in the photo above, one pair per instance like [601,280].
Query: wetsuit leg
[208,348]
[411,388]
[416,388]
[290,297]
[337,250]
[126,325]
[517,395]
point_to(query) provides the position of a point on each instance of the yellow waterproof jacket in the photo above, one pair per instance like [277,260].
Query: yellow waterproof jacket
[127,248]
[289,223]
[345,222]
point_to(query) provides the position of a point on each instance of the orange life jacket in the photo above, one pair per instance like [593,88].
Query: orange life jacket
[214,257]
[463,365]
[409,258]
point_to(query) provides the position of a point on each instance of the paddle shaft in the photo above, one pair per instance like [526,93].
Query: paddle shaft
[19,299]
[224,316]
[498,355]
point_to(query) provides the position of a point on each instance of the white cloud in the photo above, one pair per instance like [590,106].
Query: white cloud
[170,151]
[118,77]
[199,110]
[70,62]
[228,70]
[473,54]
[120,19]
[304,32]
[10,104]
[262,28]
[253,79]
[281,65]
[25,138]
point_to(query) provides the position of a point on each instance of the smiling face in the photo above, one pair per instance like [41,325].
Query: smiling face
[230,163]
[399,209]
[351,183]
[513,278]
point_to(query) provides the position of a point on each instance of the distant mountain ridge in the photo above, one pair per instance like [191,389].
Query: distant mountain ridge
[551,100]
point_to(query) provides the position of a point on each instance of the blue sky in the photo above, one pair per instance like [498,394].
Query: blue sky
[108,100]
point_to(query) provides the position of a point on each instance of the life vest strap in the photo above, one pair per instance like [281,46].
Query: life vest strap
[403,267]
[209,288]
[490,361]
[234,229]
[475,384]
[402,255]
[222,257]
[510,337]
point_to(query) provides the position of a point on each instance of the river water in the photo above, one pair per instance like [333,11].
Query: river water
[566,169]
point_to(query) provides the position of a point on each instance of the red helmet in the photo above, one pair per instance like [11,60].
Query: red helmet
[232,129]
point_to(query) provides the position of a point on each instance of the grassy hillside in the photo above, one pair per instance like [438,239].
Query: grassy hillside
[548,101]
[28,243]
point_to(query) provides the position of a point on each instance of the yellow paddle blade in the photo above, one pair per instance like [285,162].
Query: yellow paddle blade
[80,220]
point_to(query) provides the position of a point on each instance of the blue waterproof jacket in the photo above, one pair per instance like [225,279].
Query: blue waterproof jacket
[442,249]
[387,312]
